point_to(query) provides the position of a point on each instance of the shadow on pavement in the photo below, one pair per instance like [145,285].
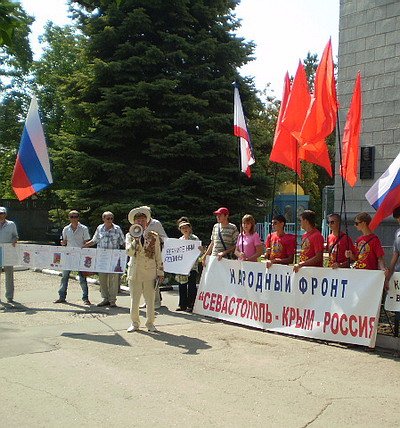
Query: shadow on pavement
[180,314]
[71,308]
[191,344]
[115,339]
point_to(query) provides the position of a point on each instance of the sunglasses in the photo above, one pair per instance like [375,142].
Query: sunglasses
[73,216]
[108,218]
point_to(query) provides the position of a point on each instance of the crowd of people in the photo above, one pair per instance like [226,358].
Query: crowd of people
[145,267]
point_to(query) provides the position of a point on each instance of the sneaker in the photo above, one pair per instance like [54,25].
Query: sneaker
[60,300]
[142,306]
[179,309]
[87,302]
[113,305]
[132,328]
[152,328]
[189,310]
[104,303]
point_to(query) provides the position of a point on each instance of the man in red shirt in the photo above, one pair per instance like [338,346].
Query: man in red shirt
[312,243]
[280,246]
[337,244]
[369,252]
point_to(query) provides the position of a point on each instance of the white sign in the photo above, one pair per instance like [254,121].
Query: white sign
[63,258]
[392,301]
[179,255]
[341,305]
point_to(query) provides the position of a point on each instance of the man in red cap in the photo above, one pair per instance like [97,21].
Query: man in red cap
[223,237]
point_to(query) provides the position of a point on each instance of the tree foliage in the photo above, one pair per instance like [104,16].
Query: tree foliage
[158,103]
[15,60]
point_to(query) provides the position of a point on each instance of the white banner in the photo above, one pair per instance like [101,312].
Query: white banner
[392,301]
[341,305]
[63,258]
[179,255]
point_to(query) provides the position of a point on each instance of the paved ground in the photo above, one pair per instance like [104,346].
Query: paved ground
[68,365]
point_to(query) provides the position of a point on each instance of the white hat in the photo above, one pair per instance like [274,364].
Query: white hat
[3,210]
[139,210]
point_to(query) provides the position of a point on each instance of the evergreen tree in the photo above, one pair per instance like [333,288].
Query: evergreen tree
[158,101]
[15,60]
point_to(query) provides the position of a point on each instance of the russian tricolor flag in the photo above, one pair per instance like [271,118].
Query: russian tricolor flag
[384,195]
[240,131]
[32,167]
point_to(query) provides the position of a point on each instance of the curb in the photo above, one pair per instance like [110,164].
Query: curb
[388,342]
[59,273]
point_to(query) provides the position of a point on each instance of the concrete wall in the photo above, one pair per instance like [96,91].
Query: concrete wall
[369,41]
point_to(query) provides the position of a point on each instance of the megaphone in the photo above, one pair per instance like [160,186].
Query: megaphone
[136,230]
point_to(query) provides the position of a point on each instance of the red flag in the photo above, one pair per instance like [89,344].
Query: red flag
[297,104]
[321,116]
[240,130]
[284,149]
[318,156]
[351,136]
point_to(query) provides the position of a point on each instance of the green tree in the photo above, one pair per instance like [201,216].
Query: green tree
[63,56]
[158,100]
[15,60]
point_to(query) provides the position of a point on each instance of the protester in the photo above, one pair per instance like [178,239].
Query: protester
[187,283]
[145,267]
[223,237]
[369,252]
[8,235]
[312,243]
[248,245]
[155,226]
[394,265]
[337,244]
[280,246]
[74,235]
[108,235]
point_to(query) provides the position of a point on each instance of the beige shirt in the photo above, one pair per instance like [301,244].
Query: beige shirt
[145,262]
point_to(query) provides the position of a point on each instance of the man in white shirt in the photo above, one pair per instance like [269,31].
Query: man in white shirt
[8,234]
[74,235]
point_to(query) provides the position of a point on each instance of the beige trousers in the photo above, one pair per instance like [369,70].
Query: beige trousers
[137,288]
[109,286]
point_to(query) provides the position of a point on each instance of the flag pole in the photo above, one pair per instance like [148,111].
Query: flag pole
[240,190]
[272,203]
[343,209]
[295,203]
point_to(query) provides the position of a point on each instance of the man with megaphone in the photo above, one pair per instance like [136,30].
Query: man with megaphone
[145,268]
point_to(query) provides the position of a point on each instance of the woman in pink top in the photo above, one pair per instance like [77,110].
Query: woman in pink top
[248,245]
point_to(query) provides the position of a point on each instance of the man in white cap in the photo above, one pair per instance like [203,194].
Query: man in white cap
[8,234]
[155,226]
[145,268]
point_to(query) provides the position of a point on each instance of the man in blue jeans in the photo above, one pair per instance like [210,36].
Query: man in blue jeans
[74,235]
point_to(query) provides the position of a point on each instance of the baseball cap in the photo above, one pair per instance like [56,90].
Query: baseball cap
[222,210]
[3,210]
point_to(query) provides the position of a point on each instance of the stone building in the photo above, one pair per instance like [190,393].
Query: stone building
[369,41]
